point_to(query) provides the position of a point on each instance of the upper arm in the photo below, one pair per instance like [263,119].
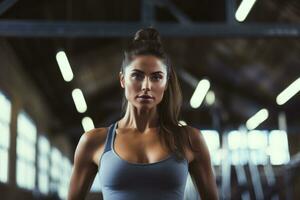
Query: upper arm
[84,169]
[200,167]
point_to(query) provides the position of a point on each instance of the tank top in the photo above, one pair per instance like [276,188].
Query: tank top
[124,180]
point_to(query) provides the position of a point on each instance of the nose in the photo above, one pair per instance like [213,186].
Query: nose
[145,84]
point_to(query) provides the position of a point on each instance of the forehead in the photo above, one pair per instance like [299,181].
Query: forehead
[147,63]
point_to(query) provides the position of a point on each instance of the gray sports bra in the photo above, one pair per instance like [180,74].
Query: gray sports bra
[123,180]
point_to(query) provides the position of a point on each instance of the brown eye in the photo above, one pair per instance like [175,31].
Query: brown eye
[137,76]
[156,77]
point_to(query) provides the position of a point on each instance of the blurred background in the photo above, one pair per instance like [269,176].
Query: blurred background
[238,64]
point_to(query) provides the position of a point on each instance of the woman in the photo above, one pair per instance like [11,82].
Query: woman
[146,154]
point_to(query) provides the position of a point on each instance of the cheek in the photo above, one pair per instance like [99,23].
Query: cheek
[131,89]
[159,91]
[161,86]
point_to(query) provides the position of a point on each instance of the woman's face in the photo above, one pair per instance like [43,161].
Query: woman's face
[146,75]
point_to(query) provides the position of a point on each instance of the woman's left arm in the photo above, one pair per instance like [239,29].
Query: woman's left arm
[200,167]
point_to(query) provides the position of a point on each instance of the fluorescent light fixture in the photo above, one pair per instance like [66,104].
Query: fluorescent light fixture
[210,97]
[87,124]
[257,119]
[64,66]
[244,9]
[289,92]
[199,93]
[79,101]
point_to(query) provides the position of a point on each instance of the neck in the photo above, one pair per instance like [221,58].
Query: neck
[139,119]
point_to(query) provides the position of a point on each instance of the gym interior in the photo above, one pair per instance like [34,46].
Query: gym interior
[237,61]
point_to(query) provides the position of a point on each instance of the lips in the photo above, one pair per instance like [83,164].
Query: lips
[145,97]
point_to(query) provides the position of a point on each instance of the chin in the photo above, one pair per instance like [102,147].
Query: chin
[145,106]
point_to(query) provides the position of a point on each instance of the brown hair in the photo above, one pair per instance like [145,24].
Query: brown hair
[147,42]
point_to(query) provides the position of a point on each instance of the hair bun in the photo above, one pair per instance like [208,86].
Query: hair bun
[147,34]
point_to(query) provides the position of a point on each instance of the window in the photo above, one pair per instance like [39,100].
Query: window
[5,114]
[55,172]
[279,149]
[66,168]
[26,141]
[43,164]
[213,143]
[259,147]
[60,165]
[258,144]
[237,145]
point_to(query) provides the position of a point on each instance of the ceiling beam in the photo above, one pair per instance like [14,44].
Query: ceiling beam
[27,28]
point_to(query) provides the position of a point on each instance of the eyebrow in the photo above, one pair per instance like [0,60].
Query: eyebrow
[151,73]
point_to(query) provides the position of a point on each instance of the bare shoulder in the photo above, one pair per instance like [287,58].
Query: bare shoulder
[197,144]
[196,139]
[94,137]
[90,144]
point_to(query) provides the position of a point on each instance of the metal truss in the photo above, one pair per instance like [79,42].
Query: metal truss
[183,28]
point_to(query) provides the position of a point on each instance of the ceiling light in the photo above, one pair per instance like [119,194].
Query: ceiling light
[87,124]
[79,101]
[289,92]
[199,93]
[64,66]
[210,97]
[244,9]
[257,119]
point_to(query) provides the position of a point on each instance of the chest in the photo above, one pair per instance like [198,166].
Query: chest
[139,148]
[117,174]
